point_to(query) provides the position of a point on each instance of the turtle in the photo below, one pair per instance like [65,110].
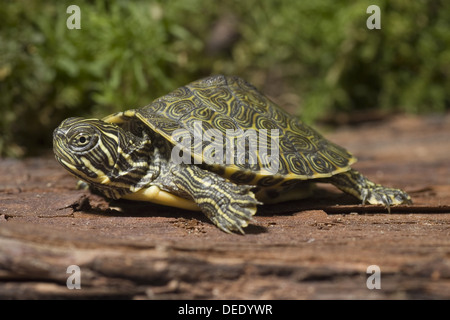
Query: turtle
[216,145]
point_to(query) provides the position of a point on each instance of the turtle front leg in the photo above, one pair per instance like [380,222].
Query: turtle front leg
[356,184]
[229,206]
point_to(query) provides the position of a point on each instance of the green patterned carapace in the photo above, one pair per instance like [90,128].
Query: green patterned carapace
[213,125]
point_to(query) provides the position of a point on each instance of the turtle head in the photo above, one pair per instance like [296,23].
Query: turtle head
[86,147]
[98,152]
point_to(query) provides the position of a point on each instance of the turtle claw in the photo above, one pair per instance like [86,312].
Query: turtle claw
[228,205]
[233,213]
[359,186]
[385,196]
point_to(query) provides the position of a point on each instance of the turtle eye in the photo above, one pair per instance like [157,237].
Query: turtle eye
[81,141]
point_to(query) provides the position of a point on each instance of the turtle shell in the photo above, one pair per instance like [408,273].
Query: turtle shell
[235,129]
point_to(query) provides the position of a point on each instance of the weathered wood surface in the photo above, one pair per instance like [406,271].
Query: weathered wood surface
[314,249]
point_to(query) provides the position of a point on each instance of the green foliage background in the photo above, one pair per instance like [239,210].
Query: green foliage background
[316,58]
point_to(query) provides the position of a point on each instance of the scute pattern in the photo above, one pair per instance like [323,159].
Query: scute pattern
[230,103]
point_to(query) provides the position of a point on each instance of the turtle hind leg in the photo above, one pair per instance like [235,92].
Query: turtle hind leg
[354,183]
